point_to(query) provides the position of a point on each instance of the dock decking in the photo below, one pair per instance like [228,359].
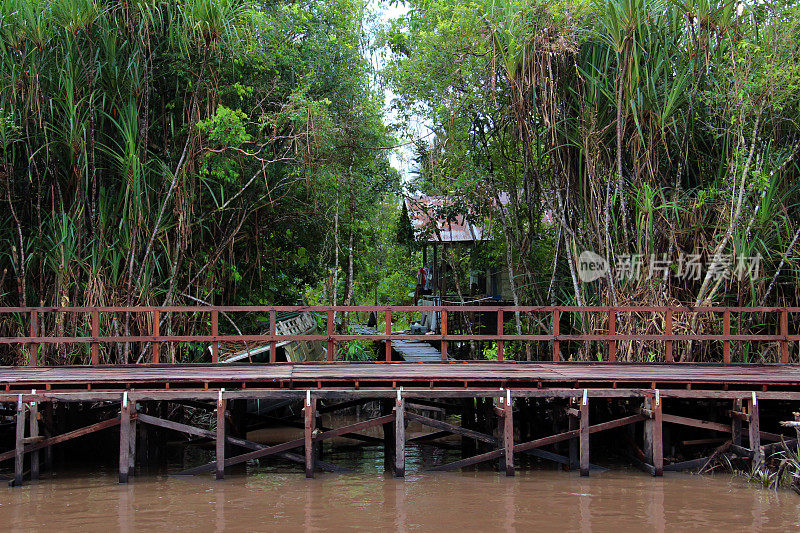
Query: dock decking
[435,374]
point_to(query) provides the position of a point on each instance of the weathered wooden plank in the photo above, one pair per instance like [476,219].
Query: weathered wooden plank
[358,426]
[755,432]
[63,437]
[220,437]
[400,438]
[693,422]
[508,436]
[124,441]
[583,431]
[19,448]
[33,430]
[310,418]
[444,426]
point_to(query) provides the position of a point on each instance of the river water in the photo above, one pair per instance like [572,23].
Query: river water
[277,497]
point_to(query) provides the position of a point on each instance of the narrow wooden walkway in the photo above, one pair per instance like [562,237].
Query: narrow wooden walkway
[411,351]
[459,373]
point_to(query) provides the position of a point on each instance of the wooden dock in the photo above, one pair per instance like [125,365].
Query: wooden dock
[552,410]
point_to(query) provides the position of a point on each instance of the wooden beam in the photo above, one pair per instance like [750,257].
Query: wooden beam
[438,424]
[47,412]
[545,441]
[584,437]
[358,426]
[754,431]
[560,459]
[132,441]
[573,423]
[518,448]
[508,436]
[344,405]
[429,436]
[488,456]
[308,441]
[19,450]
[400,438]
[34,433]
[619,422]
[63,437]
[124,440]
[658,437]
[220,437]
[256,454]
[693,422]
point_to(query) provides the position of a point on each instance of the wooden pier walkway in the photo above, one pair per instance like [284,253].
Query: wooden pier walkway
[414,351]
[501,404]
[697,377]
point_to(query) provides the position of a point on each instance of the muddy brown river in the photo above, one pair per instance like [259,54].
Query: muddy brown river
[278,498]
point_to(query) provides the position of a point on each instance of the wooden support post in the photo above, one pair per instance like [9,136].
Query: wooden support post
[499,333]
[388,343]
[726,330]
[33,348]
[19,443]
[156,342]
[508,434]
[273,330]
[329,332]
[132,440]
[785,335]
[124,439]
[649,437]
[584,435]
[221,422]
[33,430]
[736,424]
[444,334]
[47,414]
[612,329]
[95,334]
[668,357]
[755,431]
[556,329]
[658,437]
[573,425]
[308,412]
[400,437]
[214,333]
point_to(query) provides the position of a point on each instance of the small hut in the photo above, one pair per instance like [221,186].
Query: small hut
[437,222]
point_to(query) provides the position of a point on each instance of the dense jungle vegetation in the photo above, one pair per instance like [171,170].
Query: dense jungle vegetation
[165,152]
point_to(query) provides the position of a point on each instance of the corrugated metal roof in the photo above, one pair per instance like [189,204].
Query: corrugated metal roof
[433,220]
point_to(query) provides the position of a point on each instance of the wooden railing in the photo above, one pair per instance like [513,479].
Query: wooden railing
[610,336]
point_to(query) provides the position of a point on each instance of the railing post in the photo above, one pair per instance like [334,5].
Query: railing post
[273,330]
[388,332]
[726,330]
[785,335]
[33,347]
[156,342]
[444,334]
[612,330]
[556,329]
[499,334]
[95,334]
[668,356]
[214,333]
[329,331]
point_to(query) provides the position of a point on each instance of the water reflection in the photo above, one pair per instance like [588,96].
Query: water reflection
[543,500]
